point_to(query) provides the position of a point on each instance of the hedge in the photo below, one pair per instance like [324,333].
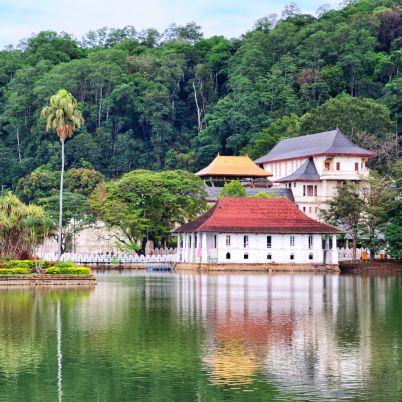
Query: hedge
[69,271]
[14,271]
[26,264]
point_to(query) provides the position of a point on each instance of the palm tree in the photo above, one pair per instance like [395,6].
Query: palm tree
[63,116]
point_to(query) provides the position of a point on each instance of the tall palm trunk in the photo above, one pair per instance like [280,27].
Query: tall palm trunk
[61,201]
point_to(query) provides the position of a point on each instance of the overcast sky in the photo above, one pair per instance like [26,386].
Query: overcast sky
[20,18]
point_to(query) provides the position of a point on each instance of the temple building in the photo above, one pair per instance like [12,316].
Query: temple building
[314,165]
[268,231]
[224,169]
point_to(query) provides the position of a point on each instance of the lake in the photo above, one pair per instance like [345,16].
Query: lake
[141,336]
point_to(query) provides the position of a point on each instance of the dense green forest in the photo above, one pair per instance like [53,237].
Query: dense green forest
[174,99]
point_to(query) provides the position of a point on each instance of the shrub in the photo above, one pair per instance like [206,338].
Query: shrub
[64,264]
[26,264]
[14,271]
[69,271]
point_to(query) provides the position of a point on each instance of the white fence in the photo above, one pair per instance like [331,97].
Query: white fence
[346,254]
[113,259]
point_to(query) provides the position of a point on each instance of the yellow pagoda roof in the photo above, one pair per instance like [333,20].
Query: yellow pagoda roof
[237,166]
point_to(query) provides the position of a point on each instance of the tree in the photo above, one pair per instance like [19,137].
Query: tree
[351,115]
[378,201]
[232,189]
[17,223]
[393,231]
[64,117]
[145,205]
[345,210]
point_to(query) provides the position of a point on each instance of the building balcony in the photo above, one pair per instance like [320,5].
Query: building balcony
[343,174]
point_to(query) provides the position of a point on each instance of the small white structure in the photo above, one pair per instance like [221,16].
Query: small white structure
[257,231]
[313,166]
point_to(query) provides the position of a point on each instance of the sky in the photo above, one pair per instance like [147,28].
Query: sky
[21,18]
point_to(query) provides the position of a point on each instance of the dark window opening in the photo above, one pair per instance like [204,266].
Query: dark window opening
[310,256]
[269,257]
[292,256]
[246,256]
[228,256]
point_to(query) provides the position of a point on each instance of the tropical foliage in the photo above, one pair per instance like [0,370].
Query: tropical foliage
[145,205]
[175,99]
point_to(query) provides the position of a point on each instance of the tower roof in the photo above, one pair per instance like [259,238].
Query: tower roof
[306,172]
[326,143]
[256,215]
[233,166]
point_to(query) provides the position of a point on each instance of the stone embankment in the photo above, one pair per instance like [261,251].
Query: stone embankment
[376,266]
[257,267]
[47,280]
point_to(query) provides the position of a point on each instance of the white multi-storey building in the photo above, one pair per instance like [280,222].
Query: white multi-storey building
[265,231]
[313,166]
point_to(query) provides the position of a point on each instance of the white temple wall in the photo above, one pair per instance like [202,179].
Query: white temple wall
[281,249]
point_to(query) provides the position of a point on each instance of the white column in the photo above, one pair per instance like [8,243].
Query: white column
[185,247]
[204,252]
[192,247]
[334,250]
[178,247]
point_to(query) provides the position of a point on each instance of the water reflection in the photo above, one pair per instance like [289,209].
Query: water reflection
[192,337]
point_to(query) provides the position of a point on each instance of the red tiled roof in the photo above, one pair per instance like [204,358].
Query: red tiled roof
[256,215]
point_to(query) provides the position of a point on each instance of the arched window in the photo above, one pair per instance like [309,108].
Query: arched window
[228,256]
[292,256]
[310,256]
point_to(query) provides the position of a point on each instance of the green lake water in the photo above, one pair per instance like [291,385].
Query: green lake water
[140,336]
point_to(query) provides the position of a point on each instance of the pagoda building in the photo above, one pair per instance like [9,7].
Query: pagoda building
[313,166]
[224,169]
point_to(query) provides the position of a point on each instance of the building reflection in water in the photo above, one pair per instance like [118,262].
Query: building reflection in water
[284,329]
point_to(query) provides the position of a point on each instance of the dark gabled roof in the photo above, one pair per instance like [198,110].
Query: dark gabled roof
[327,143]
[213,192]
[306,172]
[256,215]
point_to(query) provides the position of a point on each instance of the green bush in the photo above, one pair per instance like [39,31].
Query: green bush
[64,264]
[69,271]
[14,271]
[26,264]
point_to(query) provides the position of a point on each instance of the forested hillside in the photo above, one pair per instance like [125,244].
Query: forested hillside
[173,100]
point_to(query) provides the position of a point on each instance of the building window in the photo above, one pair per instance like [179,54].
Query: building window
[228,240]
[304,209]
[292,256]
[292,241]
[310,256]
[215,241]
[294,185]
[269,241]
[245,241]
[246,256]
[310,242]
[327,166]
[357,166]
[310,210]
[228,256]
[304,190]
[189,241]
[315,190]
[310,191]
[195,241]
[269,257]
[338,165]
